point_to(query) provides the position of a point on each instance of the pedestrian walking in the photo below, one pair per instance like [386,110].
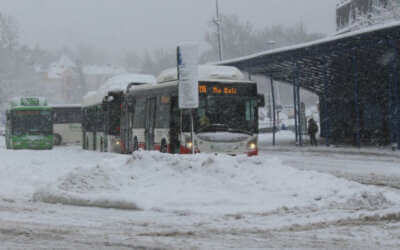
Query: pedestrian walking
[312,131]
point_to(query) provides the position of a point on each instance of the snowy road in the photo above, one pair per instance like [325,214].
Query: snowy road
[372,170]
[156,201]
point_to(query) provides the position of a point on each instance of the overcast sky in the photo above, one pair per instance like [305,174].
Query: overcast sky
[149,24]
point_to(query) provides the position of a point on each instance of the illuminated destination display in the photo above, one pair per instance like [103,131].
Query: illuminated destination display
[203,89]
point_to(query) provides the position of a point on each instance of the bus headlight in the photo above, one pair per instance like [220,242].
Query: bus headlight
[189,145]
[252,146]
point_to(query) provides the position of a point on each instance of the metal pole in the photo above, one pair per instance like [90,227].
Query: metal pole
[273,112]
[217,22]
[192,132]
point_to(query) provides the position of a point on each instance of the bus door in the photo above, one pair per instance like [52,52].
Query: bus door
[150,122]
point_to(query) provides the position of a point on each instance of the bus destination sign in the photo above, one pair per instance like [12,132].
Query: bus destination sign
[217,90]
[30,101]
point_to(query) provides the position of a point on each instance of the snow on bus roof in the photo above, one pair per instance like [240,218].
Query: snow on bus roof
[118,83]
[206,72]
[91,98]
[121,82]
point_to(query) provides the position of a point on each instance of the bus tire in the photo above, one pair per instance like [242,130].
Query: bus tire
[164,147]
[135,144]
[57,139]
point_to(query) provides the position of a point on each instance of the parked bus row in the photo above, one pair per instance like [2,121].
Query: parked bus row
[132,112]
[140,112]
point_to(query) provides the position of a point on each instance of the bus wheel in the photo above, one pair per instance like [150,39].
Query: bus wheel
[57,139]
[164,147]
[135,144]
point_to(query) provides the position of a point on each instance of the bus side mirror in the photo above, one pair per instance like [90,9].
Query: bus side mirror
[260,100]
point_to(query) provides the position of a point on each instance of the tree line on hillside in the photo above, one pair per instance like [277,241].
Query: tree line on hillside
[239,39]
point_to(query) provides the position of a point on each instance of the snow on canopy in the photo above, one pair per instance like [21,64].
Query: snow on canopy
[206,72]
[328,39]
[117,83]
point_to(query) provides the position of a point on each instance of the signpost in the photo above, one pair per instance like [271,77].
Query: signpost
[188,79]
[188,56]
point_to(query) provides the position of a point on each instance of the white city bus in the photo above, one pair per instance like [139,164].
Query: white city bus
[225,122]
[101,112]
[67,120]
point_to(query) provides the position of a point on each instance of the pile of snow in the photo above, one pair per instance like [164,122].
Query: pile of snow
[24,171]
[207,183]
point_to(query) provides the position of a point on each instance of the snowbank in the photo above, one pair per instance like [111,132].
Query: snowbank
[207,183]
[24,171]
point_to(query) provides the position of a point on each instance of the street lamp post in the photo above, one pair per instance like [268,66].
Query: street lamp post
[218,22]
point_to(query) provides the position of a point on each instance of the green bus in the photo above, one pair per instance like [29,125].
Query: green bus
[29,124]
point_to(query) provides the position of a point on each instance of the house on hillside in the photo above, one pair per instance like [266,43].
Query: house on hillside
[66,81]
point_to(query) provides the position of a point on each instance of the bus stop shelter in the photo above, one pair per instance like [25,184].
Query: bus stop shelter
[355,75]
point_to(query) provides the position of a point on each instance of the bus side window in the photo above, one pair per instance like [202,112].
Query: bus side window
[162,113]
[138,119]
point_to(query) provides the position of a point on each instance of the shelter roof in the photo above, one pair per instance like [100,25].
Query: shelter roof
[324,61]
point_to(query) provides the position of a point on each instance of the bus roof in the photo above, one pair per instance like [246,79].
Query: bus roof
[27,102]
[117,83]
[206,73]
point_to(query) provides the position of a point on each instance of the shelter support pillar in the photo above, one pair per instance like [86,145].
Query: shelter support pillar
[325,121]
[356,103]
[300,115]
[395,99]
[273,112]
[295,110]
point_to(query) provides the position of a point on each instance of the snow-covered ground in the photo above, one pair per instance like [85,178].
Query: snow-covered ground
[71,198]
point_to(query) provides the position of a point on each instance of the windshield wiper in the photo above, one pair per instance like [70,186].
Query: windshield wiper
[223,127]
[238,130]
[214,127]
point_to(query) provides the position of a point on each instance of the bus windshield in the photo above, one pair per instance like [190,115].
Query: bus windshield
[227,113]
[33,122]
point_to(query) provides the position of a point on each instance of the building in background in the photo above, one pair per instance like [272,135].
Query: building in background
[67,81]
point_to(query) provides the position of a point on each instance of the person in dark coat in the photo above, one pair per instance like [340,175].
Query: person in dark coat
[312,131]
